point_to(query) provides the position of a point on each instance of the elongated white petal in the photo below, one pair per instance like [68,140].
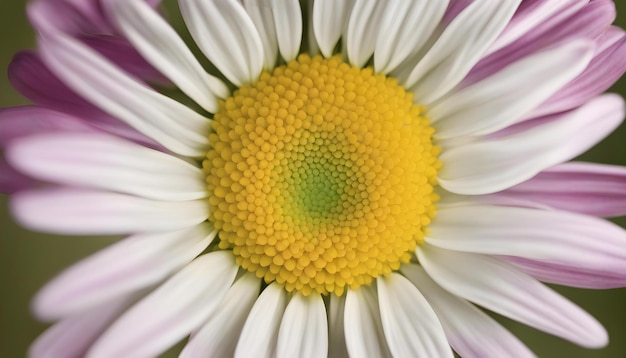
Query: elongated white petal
[73,336]
[219,335]
[408,25]
[471,333]
[82,212]
[494,164]
[105,162]
[362,324]
[330,22]
[303,329]
[507,96]
[336,336]
[288,22]
[147,260]
[159,43]
[170,123]
[411,326]
[172,311]
[551,236]
[502,288]
[260,333]
[363,28]
[227,37]
[263,18]
[459,48]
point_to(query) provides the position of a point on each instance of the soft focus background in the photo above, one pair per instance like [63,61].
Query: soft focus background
[28,260]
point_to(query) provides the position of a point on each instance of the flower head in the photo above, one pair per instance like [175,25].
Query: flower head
[352,178]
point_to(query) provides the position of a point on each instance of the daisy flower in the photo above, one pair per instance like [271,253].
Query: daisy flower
[333,178]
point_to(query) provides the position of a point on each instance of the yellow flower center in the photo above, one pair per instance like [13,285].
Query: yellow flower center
[321,175]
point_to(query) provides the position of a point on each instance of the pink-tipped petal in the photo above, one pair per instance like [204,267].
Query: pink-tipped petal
[592,189]
[471,332]
[172,311]
[147,260]
[590,244]
[72,337]
[83,212]
[494,164]
[511,293]
[568,275]
[105,162]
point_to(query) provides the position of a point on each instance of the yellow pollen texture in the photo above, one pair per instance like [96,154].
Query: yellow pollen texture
[321,175]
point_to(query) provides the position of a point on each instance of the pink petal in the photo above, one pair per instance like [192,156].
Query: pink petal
[124,54]
[587,188]
[568,275]
[72,337]
[12,181]
[32,78]
[147,260]
[19,122]
[607,66]
[589,244]
[533,15]
[588,23]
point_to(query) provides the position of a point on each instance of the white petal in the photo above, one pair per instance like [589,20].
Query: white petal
[507,96]
[336,337]
[470,332]
[410,324]
[263,18]
[288,21]
[172,311]
[260,333]
[81,212]
[219,335]
[170,123]
[159,43]
[459,48]
[330,22]
[73,336]
[494,164]
[147,260]
[555,237]
[363,28]
[105,162]
[304,328]
[502,288]
[227,37]
[363,327]
[408,25]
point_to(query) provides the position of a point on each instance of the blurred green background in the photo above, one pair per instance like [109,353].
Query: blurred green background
[28,260]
